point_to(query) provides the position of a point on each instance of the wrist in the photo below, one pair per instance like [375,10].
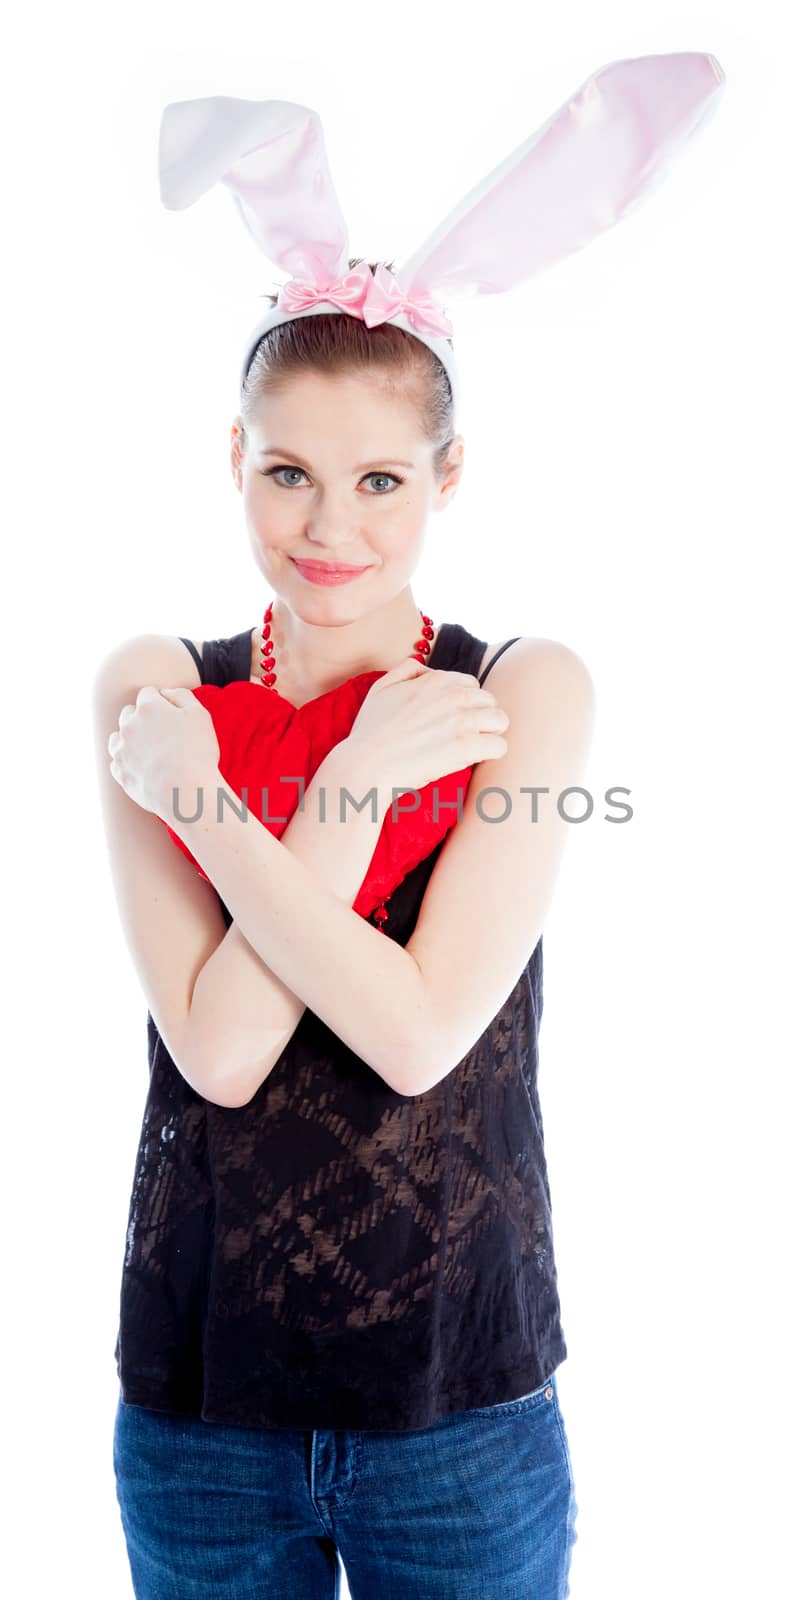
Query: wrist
[178,803]
[348,766]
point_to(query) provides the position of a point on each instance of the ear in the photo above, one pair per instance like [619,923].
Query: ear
[577,175]
[271,157]
[237,450]
[454,472]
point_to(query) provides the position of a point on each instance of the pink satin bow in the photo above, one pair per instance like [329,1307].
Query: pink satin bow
[375,297]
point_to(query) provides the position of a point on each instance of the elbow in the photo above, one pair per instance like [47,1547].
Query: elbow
[225,1103]
[233,1092]
[228,1097]
[211,1082]
[239,1088]
[218,1067]
[209,1088]
[417,1069]
[422,1058]
[417,1080]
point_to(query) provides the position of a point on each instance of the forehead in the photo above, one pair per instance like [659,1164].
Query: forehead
[348,418]
[356,394]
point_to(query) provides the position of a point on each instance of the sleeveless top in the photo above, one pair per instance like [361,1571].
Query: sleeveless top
[334,1254]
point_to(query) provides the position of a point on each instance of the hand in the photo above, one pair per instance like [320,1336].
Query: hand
[165,741]
[417,724]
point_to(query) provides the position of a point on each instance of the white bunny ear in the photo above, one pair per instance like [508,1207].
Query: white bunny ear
[270,154]
[583,170]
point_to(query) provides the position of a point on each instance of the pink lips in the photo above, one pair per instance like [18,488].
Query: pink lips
[322,572]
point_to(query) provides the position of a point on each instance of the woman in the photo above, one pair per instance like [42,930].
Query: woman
[339,1320]
[339,1315]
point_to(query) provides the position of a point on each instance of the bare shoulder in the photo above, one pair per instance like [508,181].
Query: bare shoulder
[530,666]
[148,658]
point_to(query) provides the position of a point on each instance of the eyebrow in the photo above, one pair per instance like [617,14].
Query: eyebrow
[390,461]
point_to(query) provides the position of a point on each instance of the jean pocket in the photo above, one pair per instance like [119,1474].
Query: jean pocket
[543,1395]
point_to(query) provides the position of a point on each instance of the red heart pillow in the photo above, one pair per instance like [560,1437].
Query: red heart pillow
[264,740]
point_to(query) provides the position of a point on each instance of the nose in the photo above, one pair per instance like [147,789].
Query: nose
[330,521]
[329,539]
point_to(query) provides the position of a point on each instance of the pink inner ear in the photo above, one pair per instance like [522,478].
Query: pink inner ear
[265,742]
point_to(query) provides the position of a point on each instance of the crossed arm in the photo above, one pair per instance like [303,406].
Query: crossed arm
[225,1016]
[227,1001]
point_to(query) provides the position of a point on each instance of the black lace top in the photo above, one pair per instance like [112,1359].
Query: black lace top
[333,1254]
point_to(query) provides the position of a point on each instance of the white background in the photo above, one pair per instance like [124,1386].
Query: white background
[629,420]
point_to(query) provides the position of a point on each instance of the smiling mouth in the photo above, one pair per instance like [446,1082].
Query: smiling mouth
[326,566]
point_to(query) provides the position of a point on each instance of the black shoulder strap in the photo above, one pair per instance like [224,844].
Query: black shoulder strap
[224,660]
[192,649]
[499,652]
[241,642]
[456,649]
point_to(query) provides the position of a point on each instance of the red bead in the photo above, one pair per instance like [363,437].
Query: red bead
[421,650]
[380,916]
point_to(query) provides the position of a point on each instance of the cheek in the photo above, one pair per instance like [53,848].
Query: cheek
[402,532]
[268,517]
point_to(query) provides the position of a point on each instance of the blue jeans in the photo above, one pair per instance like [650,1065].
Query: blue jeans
[479,1505]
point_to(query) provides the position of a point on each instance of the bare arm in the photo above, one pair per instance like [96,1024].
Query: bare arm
[218,1007]
[242,1014]
[413,1012]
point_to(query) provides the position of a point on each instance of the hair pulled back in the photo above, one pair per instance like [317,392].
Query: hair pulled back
[344,344]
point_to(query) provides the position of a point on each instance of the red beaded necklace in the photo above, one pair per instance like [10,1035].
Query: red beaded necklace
[268,678]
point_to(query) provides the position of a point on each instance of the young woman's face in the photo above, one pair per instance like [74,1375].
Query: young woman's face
[336,470]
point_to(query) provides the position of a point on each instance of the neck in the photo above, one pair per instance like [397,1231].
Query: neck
[313,658]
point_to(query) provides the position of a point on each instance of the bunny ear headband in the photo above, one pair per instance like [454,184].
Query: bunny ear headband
[587,167]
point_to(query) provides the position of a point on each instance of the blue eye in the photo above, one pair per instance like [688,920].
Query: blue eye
[391,477]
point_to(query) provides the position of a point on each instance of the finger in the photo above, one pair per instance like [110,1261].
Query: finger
[409,668]
[179,696]
[464,677]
